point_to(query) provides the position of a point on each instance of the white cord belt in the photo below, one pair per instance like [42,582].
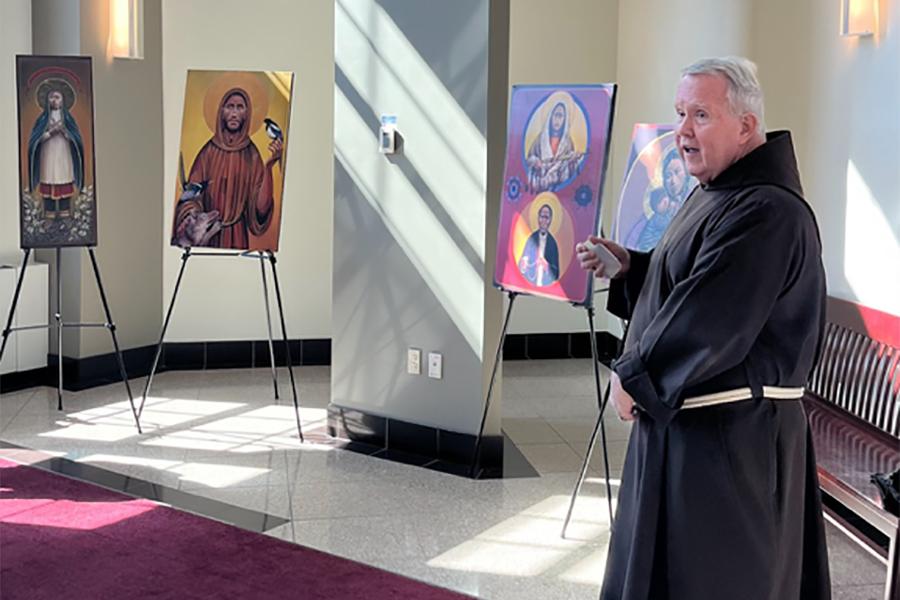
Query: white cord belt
[736,395]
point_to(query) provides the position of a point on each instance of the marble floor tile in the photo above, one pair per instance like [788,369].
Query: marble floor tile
[269,499]
[530,431]
[851,566]
[515,406]
[858,592]
[572,430]
[10,410]
[581,407]
[551,458]
[616,448]
[352,537]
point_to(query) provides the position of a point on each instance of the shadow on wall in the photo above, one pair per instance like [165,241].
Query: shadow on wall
[381,290]
[432,198]
[447,51]
[371,119]
[446,142]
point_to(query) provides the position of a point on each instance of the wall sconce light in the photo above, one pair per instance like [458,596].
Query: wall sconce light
[859,17]
[126,28]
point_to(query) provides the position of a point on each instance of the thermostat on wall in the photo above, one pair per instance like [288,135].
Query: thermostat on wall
[387,143]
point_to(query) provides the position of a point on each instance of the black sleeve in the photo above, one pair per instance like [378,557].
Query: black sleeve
[624,292]
[712,317]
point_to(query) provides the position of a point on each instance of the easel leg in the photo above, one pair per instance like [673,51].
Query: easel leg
[262,269]
[287,346]
[59,329]
[598,427]
[595,351]
[892,584]
[487,402]
[583,473]
[15,302]
[112,332]
[162,334]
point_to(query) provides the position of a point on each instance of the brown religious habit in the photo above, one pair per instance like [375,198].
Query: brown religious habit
[236,179]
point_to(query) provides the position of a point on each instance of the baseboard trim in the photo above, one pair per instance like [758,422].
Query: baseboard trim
[22,380]
[93,371]
[84,373]
[543,346]
[429,447]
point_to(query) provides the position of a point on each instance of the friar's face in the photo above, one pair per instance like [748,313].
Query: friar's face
[55,100]
[709,135]
[234,112]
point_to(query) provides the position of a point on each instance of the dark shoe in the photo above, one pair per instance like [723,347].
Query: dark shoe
[889,488]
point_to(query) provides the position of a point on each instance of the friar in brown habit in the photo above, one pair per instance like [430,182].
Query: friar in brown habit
[719,498]
[238,186]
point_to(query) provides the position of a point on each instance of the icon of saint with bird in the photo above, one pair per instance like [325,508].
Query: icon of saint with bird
[228,193]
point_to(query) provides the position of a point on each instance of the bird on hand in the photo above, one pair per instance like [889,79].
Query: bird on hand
[193,190]
[273,130]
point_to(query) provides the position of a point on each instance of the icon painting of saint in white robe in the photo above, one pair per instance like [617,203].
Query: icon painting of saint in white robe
[552,159]
[55,151]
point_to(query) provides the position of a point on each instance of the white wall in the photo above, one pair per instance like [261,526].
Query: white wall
[15,38]
[586,53]
[656,40]
[129,146]
[221,298]
[840,96]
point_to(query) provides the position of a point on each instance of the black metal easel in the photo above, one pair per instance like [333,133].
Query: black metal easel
[263,256]
[590,450]
[487,403]
[598,426]
[60,325]
[602,400]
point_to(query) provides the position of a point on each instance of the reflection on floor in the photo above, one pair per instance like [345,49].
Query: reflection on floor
[219,435]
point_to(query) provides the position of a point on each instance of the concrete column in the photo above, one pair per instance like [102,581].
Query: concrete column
[413,232]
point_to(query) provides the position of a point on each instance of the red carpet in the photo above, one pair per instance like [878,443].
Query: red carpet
[61,538]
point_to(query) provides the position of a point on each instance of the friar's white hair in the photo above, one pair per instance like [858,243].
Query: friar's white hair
[744,92]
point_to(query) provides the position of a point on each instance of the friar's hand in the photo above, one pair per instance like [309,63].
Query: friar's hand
[590,262]
[621,400]
[276,148]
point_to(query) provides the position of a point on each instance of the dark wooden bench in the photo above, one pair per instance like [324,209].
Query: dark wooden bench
[853,403]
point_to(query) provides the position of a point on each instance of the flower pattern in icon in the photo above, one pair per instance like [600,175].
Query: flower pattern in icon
[583,196]
[513,189]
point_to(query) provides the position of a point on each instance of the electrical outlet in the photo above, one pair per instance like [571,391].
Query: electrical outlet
[414,361]
[435,365]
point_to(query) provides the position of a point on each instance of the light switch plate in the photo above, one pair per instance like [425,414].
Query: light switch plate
[414,361]
[435,365]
